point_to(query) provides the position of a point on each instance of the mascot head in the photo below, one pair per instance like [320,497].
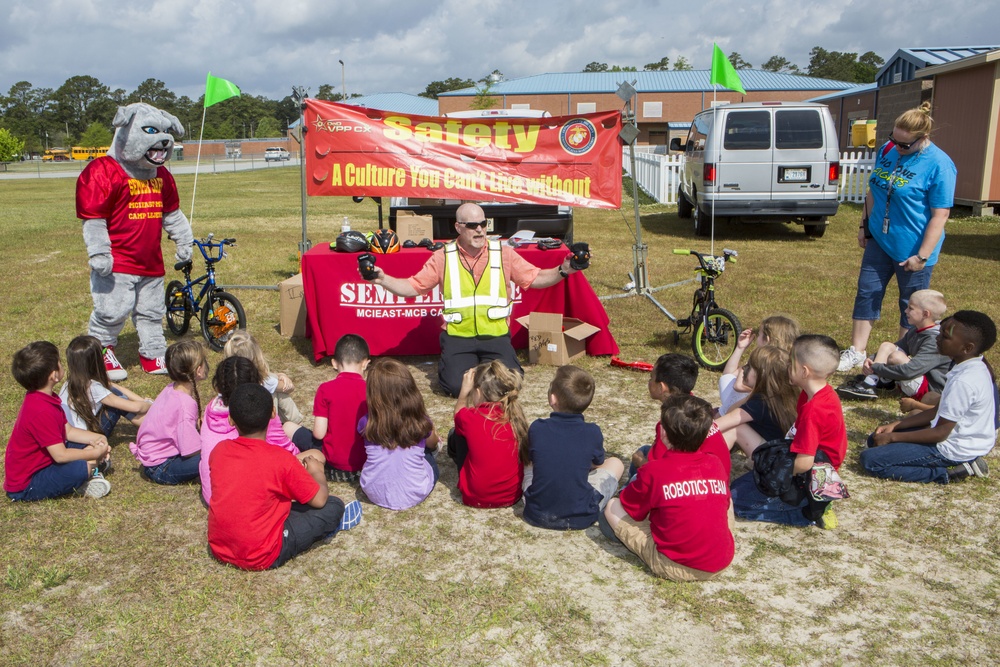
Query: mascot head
[144,138]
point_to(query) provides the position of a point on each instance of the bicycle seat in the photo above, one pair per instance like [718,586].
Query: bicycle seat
[183,266]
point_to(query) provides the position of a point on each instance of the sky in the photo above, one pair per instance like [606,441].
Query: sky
[268,46]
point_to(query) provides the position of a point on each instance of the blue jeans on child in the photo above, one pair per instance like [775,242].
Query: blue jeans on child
[750,504]
[175,470]
[110,416]
[877,269]
[307,525]
[907,462]
[55,480]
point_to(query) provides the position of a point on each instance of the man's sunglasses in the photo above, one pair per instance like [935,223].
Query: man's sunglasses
[902,144]
[474,225]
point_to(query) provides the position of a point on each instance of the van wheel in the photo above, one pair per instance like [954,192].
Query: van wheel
[816,230]
[702,222]
[684,207]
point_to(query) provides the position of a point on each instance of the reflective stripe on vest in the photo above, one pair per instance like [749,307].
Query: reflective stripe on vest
[471,309]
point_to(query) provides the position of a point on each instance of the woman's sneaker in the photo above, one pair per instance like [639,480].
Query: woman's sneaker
[156,366]
[850,358]
[95,487]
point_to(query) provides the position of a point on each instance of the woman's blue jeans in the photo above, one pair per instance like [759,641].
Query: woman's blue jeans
[877,269]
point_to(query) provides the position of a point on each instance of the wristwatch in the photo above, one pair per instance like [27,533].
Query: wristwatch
[922,259]
[566,275]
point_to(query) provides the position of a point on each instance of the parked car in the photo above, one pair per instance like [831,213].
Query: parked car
[275,153]
[760,162]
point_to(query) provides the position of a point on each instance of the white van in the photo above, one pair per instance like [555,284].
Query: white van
[760,162]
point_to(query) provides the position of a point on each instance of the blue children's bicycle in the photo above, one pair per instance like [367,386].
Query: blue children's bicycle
[221,314]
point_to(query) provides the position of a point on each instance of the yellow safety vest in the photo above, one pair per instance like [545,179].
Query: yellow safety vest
[470,309]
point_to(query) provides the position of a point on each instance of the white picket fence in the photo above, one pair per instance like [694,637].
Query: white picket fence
[659,175]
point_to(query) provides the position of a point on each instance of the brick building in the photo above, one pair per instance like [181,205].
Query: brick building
[666,102]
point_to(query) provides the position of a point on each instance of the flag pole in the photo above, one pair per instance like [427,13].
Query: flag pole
[715,120]
[197,162]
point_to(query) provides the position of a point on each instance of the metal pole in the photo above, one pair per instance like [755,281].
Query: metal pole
[343,82]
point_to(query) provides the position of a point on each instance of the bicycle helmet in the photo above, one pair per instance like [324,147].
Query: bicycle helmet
[350,242]
[383,242]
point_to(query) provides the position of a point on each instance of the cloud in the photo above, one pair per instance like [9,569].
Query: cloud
[388,46]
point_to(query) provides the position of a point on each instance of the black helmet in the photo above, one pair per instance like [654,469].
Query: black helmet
[384,241]
[350,242]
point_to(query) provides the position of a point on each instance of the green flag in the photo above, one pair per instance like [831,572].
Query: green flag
[723,72]
[217,90]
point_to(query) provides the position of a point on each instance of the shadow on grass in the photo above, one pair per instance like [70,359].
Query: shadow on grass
[977,246]
[669,224]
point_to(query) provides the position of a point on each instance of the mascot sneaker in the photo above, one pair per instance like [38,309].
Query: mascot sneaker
[153,366]
[116,373]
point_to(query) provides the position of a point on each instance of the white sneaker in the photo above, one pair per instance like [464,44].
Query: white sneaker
[95,487]
[850,358]
[116,372]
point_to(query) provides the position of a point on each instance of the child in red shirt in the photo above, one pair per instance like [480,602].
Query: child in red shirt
[819,427]
[676,514]
[339,405]
[39,461]
[267,505]
[676,374]
[490,430]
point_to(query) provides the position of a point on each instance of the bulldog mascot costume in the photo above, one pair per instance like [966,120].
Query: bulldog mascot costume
[125,199]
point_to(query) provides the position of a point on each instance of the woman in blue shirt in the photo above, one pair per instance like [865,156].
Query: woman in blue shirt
[910,195]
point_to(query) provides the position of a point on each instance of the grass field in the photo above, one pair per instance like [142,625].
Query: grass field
[910,577]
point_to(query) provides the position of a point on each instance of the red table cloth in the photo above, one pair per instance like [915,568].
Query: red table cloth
[339,301]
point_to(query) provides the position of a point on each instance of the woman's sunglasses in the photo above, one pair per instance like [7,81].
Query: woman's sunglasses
[902,144]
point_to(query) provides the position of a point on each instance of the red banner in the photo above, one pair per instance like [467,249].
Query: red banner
[570,160]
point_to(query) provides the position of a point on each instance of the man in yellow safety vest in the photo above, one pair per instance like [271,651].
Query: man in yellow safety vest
[473,273]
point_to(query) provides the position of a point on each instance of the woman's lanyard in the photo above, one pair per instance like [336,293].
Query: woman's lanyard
[888,195]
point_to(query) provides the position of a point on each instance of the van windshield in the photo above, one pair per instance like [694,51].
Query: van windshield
[748,131]
[798,129]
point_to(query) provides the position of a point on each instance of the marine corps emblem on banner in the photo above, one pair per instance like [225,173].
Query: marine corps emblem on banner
[578,136]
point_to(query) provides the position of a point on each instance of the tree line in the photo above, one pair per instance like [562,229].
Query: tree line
[823,64]
[80,111]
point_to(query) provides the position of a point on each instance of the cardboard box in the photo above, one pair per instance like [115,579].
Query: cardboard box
[414,227]
[292,320]
[555,340]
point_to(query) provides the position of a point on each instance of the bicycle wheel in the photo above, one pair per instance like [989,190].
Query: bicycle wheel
[714,338]
[179,310]
[221,316]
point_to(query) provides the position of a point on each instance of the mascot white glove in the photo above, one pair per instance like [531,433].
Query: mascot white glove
[179,230]
[95,236]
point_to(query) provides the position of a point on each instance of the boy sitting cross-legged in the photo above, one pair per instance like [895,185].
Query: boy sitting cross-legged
[676,514]
[339,405]
[913,362]
[253,522]
[676,375]
[46,457]
[949,442]
[819,427]
[567,479]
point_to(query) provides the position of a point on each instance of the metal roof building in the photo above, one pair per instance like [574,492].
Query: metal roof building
[665,102]
[903,64]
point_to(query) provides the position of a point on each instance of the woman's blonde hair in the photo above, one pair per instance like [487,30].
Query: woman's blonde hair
[397,416]
[183,359]
[916,121]
[242,344]
[771,365]
[780,331]
[498,384]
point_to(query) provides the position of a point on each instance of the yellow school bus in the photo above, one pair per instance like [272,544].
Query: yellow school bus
[55,155]
[88,153]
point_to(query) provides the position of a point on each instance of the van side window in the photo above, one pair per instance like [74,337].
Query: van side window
[798,129]
[700,128]
[747,130]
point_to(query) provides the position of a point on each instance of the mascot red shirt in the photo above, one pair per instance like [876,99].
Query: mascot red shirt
[134,211]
